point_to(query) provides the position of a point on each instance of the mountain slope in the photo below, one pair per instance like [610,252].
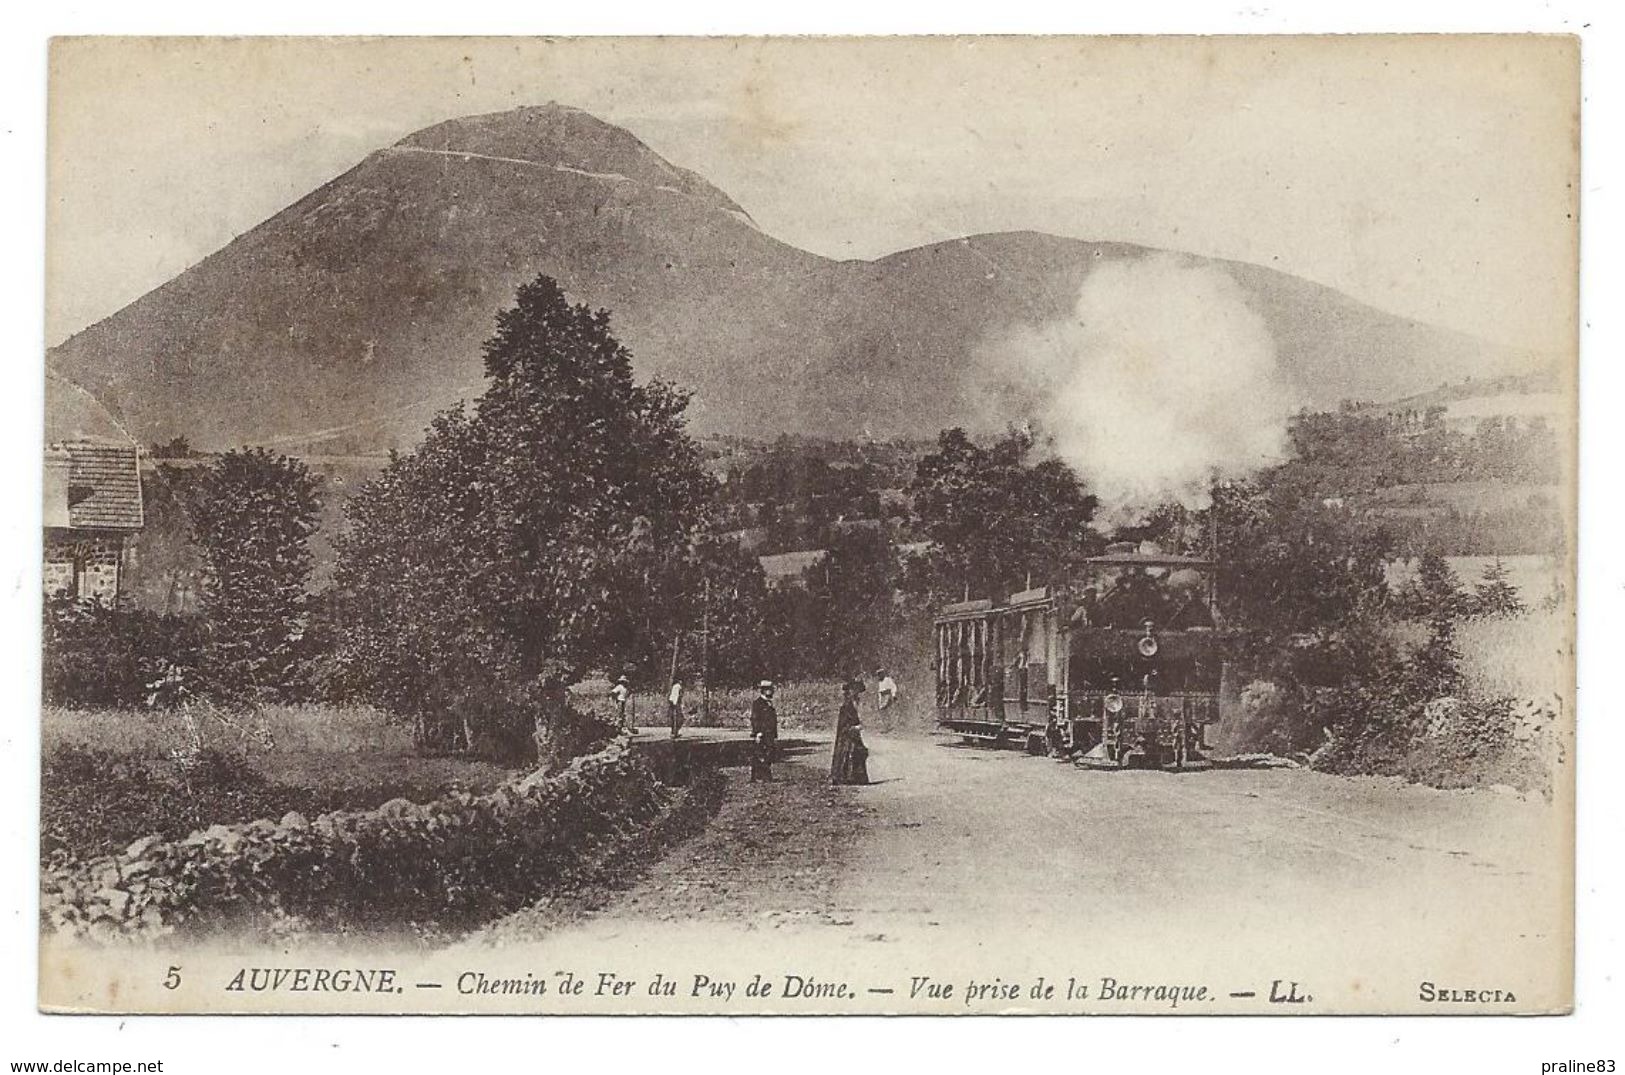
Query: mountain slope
[343,322]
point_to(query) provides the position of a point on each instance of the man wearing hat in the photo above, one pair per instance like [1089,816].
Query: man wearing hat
[764,731]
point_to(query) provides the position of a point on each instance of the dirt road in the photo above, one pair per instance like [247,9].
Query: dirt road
[958,856]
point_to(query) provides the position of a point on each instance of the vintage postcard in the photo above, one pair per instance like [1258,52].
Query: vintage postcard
[948,526]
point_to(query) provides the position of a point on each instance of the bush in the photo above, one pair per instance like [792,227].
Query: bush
[1495,596]
[1435,592]
[95,802]
[1272,719]
[1454,743]
[96,655]
[458,859]
[1422,720]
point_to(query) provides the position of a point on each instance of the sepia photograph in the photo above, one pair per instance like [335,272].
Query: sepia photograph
[810,525]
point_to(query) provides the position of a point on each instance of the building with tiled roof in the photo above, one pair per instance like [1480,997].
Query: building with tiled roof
[93,506]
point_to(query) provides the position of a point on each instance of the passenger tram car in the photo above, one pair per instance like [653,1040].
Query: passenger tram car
[1121,665]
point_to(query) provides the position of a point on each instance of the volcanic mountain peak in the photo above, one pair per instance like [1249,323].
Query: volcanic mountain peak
[346,319]
[566,139]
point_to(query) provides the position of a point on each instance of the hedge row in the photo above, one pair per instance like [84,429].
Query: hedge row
[459,859]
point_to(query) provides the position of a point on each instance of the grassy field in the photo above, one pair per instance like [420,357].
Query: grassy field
[113,775]
[1525,657]
[1465,496]
[353,750]
[273,729]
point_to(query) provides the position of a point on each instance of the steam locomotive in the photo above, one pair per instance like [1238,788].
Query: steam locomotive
[1119,666]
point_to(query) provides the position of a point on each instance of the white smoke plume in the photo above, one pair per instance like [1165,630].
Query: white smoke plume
[1161,381]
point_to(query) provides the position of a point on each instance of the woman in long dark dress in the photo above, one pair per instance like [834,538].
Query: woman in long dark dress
[850,765]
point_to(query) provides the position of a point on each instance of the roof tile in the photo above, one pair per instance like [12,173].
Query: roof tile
[104,486]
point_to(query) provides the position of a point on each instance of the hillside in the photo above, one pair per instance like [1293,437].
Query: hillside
[1542,395]
[340,324]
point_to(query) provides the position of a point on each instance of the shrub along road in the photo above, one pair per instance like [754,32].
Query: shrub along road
[960,851]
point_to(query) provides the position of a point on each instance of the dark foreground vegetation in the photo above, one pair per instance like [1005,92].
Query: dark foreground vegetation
[426,869]
[99,802]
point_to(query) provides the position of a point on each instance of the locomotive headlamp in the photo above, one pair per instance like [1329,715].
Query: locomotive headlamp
[1148,644]
[1114,703]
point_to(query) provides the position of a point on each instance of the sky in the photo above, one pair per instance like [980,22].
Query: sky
[1429,176]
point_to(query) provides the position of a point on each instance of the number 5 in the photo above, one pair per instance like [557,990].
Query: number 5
[172,980]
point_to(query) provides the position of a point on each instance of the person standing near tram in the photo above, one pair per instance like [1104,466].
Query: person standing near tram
[764,731]
[620,693]
[674,706]
[850,762]
[885,689]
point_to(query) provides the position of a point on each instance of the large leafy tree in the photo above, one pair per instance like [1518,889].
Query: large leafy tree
[1303,588]
[525,539]
[252,514]
[838,622]
[730,603]
[856,590]
[705,608]
[1290,566]
[997,517]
